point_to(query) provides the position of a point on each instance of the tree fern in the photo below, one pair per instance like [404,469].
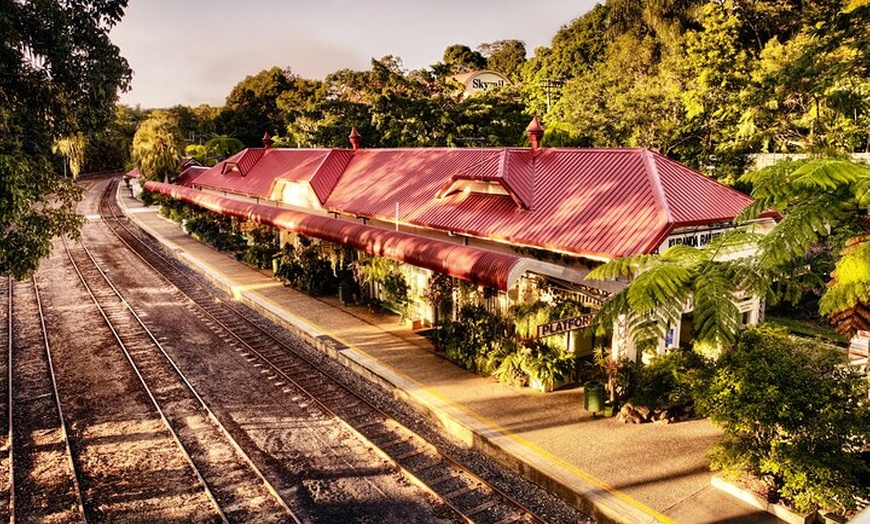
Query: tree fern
[803,227]
[716,317]
[850,285]
[829,175]
[817,197]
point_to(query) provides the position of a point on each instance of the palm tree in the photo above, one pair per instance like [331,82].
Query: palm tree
[155,148]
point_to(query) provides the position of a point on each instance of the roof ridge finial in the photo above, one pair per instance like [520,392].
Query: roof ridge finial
[535,133]
[267,141]
[355,138]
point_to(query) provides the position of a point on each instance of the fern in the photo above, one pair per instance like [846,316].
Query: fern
[851,279]
[804,226]
[626,267]
[716,315]
[828,175]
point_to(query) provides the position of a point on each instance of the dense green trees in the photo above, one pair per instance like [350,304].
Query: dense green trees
[505,56]
[59,78]
[708,83]
[251,107]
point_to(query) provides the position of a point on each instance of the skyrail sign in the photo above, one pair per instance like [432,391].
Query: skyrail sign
[557,327]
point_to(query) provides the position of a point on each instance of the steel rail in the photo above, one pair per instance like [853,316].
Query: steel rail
[55,392]
[63,426]
[420,441]
[200,400]
[9,446]
[147,389]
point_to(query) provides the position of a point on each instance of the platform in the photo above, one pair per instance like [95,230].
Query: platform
[617,472]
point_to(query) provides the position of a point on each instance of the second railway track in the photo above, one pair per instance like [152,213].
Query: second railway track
[37,431]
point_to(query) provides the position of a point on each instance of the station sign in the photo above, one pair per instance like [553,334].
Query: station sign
[699,238]
[564,325]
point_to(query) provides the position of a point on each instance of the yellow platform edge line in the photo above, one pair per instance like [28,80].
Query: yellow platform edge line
[516,438]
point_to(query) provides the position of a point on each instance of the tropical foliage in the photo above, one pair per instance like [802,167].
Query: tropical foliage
[662,287]
[155,147]
[59,77]
[825,204]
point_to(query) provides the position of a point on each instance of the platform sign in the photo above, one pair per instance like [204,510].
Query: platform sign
[564,325]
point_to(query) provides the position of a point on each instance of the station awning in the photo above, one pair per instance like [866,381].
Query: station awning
[484,267]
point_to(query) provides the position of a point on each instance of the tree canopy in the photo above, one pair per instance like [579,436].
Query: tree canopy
[59,78]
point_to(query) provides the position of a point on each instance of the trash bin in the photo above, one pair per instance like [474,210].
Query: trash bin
[593,396]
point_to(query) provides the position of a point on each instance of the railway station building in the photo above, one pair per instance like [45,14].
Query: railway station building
[523,224]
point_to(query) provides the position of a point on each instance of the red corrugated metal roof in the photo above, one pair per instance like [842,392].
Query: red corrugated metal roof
[594,202]
[601,203]
[188,177]
[498,270]
[329,171]
[262,169]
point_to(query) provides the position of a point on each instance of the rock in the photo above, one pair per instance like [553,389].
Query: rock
[662,421]
[629,415]
[643,412]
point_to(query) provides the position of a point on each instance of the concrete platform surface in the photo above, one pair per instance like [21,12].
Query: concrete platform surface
[617,472]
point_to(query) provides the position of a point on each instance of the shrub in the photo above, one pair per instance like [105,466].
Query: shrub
[669,380]
[261,249]
[545,363]
[149,198]
[476,333]
[396,290]
[794,416]
[306,270]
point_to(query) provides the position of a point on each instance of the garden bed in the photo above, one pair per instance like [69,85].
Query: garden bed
[778,510]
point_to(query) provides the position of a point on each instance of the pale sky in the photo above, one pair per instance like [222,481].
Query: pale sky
[194,51]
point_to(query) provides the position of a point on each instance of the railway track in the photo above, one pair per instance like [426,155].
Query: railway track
[5,400]
[471,497]
[38,440]
[237,489]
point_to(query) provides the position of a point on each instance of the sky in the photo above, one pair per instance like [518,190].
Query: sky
[193,52]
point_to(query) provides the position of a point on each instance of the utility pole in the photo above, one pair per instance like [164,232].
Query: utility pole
[551,83]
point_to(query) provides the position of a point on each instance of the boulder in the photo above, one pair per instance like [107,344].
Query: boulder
[629,415]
